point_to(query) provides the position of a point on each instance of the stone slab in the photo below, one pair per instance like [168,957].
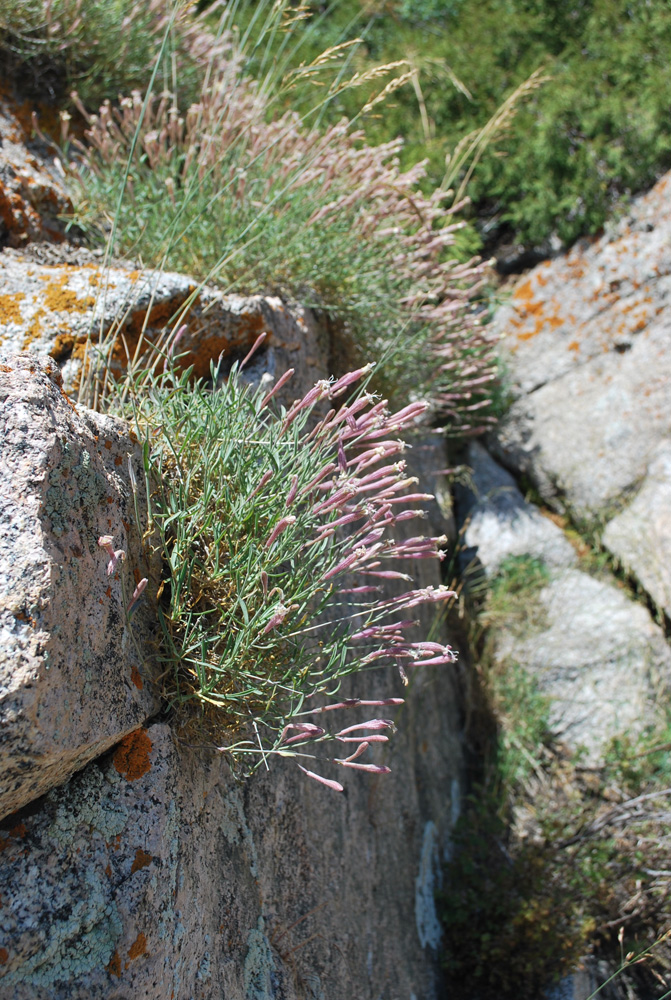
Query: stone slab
[586,339]
[73,679]
[33,193]
[498,523]
[640,537]
[599,657]
[63,311]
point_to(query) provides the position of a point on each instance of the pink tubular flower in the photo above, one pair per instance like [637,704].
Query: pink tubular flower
[342,457]
[371,768]
[116,556]
[427,595]
[105,542]
[279,617]
[265,478]
[255,346]
[338,387]
[379,631]
[371,724]
[293,490]
[360,590]
[137,594]
[408,413]
[316,393]
[173,344]
[411,497]
[388,574]
[278,385]
[354,702]
[334,785]
[341,567]
[281,526]
[379,738]
[323,472]
[306,731]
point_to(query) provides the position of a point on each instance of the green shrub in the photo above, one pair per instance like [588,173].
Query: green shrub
[101,48]
[597,131]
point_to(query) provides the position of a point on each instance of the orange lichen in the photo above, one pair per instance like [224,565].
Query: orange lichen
[138,947]
[524,292]
[16,833]
[132,756]
[136,677]
[108,870]
[61,299]
[118,460]
[5,368]
[63,346]
[4,956]
[212,345]
[141,860]
[9,308]
[114,967]
[34,331]
[574,346]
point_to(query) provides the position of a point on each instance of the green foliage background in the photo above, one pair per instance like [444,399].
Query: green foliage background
[598,130]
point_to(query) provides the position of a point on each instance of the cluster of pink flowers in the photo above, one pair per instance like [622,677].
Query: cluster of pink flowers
[358,496]
[308,731]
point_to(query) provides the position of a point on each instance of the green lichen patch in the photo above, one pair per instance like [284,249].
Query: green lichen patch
[76,488]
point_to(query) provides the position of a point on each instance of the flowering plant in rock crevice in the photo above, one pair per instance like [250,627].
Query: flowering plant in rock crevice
[276,531]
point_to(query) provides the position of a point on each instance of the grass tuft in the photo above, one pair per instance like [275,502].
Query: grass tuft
[240,191]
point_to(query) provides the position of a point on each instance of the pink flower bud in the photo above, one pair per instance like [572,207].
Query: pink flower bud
[370,768]
[375,738]
[265,478]
[371,724]
[335,785]
[276,388]
[281,526]
[137,594]
[359,750]
[306,731]
[292,491]
[257,343]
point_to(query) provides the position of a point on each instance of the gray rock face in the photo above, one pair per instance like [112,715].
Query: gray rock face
[598,656]
[640,537]
[586,339]
[53,309]
[72,679]
[586,438]
[153,874]
[499,522]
